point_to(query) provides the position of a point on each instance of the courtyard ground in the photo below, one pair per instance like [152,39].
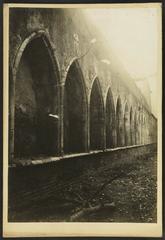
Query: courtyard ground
[123,192]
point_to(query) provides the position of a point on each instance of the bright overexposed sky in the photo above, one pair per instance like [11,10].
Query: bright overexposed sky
[133,35]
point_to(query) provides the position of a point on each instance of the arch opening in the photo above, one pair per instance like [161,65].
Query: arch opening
[75,111]
[120,123]
[36,99]
[97,118]
[110,121]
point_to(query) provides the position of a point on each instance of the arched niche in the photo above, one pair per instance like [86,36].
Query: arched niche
[119,123]
[97,117]
[75,111]
[36,99]
[110,121]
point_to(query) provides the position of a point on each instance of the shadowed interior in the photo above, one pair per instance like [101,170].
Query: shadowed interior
[110,121]
[127,125]
[36,133]
[96,117]
[120,123]
[75,111]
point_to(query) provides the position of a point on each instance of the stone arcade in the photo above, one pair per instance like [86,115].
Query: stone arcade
[63,98]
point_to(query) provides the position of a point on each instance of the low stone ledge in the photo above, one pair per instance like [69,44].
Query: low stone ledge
[44,160]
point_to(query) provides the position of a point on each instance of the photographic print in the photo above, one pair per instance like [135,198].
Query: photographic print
[82,120]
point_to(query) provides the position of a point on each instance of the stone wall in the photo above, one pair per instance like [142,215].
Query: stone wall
[66,39]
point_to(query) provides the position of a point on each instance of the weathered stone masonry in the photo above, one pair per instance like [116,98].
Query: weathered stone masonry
[63,98]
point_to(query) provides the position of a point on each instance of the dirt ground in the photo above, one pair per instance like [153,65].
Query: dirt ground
[124,192]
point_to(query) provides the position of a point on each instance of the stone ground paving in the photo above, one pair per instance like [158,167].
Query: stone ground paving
[128,189]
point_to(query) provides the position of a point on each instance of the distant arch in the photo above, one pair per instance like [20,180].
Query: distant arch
[127,125]
[75,111]
[137,133]
[97,117]
[144,130]
[110,120]
[120,123]
[132,127]
[140,127]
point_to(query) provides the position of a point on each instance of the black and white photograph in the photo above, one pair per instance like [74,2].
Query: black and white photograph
[82,114]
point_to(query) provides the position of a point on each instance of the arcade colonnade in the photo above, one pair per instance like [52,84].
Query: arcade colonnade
[49,118]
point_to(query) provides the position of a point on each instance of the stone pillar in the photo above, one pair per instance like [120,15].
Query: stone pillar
[104,131]
[114,137]
[61,122]
[57,111]
[87,130]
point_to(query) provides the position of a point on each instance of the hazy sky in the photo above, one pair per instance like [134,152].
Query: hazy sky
[133,35]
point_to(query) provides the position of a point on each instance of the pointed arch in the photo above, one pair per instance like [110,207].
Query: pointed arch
[97,117]
[75,111]
[40,34]
[36,98]
[110,120]
[119,123]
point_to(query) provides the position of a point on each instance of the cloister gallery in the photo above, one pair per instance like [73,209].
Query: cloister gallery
[63,101]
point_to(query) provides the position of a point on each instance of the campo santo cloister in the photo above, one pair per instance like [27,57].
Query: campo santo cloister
[69,94]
